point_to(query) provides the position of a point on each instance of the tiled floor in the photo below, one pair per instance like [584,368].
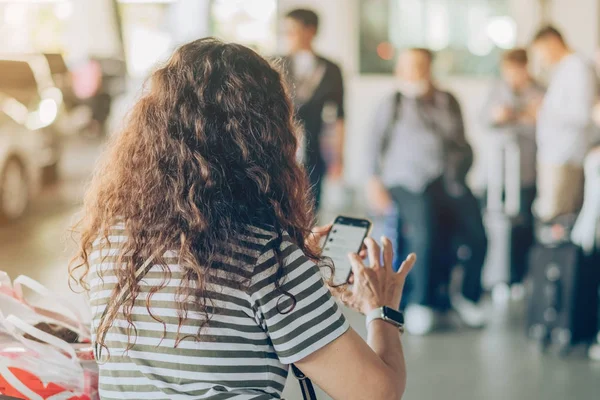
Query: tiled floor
[492,364]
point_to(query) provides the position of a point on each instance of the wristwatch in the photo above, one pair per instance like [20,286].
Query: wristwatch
[389,315]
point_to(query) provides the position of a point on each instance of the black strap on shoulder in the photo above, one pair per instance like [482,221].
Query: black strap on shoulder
[387,135]
[306,386]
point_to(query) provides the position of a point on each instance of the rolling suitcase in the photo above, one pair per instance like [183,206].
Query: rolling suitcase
[563,287]
[503,206]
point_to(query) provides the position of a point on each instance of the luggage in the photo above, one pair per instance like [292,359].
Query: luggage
[563,290]
[503,207]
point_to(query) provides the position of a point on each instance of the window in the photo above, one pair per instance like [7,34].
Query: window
[28,27]
[146,34]
[467,36]
[250,22]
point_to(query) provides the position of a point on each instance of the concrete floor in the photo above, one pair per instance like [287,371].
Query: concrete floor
[495,363]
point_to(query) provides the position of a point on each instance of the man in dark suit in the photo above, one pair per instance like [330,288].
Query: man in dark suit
[315,83]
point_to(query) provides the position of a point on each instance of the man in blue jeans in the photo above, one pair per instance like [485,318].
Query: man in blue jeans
[418,159]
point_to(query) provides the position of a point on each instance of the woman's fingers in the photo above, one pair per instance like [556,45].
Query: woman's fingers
[345,296]
[374,252]
[363,252]
[388,253]
[321,231]
[407,265]
[357,265]
[317,234]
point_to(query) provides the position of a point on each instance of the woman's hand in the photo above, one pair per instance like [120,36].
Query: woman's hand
[314,238]
[378,285]
[502,114]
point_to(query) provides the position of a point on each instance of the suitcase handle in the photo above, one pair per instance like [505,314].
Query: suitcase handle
[553,289]
[504,175]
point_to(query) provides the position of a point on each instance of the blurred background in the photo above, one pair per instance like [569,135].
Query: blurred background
[70,69]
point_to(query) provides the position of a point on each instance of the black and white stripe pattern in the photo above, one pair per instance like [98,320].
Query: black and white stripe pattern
[245,350]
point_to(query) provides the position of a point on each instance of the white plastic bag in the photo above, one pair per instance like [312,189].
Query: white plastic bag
[6,284]
[54,307]
[12,306]
[50,361]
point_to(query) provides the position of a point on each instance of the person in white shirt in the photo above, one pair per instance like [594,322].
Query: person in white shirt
[565,128]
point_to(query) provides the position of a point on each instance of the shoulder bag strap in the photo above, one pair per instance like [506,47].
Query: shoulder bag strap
[387,135]
[306,386]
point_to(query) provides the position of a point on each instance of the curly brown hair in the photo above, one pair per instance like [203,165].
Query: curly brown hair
[209,149]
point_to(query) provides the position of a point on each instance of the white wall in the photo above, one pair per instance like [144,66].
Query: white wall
[337,38]
[578,20]
[93,30]
[188,20]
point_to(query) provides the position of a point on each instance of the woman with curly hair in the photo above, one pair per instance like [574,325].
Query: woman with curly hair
[197,250]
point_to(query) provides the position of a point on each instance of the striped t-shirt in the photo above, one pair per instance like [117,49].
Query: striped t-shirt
[248,344]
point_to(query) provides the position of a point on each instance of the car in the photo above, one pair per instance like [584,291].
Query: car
[19,171]
[20,174]
[28,79]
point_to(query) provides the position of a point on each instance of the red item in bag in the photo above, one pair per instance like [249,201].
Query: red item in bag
[35,385]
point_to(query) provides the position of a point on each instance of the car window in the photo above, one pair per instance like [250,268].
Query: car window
[18,81]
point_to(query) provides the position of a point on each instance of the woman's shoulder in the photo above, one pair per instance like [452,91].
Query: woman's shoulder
[267,238]
[261,232]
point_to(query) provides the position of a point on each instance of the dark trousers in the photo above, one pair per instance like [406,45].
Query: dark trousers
[434,224]
[522,237]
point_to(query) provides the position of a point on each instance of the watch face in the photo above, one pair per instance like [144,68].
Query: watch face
[394,315]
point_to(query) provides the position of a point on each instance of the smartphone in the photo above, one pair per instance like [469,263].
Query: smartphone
[346,236]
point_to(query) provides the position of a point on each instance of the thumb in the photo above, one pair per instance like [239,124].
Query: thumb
[321,230]
[357,265]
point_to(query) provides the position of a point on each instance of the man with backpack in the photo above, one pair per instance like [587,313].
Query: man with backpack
[418,158]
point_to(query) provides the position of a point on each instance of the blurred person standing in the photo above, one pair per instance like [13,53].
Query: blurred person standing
[565,128]
[316,83]
[89,88]
[418,158]
[511,108]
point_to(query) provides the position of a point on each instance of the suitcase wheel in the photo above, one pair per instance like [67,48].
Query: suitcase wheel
[553,272]
[550,314]
[561,338]
[538,332]
[544,344]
